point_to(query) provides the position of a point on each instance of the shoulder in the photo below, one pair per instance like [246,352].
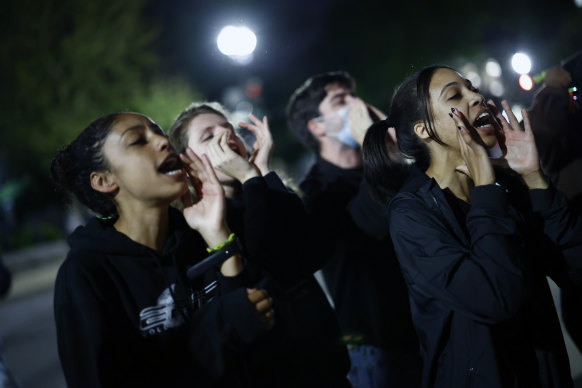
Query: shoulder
[81,266]
[407,204]
[416,213]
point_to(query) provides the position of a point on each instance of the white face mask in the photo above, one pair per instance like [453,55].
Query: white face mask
[344,134]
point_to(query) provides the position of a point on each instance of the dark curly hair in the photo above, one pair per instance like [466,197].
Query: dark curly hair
[71,168]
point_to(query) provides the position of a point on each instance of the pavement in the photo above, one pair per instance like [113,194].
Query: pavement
[27,325]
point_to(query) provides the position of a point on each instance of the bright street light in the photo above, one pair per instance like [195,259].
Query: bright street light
[521,63]
[236,41]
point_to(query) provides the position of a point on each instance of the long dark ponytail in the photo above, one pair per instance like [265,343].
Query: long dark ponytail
[383,174]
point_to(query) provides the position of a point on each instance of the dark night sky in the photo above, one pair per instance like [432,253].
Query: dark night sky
[60,68]
[379,43]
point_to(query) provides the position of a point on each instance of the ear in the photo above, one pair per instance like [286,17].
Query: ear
[421,130]
[316,127]
[103,182]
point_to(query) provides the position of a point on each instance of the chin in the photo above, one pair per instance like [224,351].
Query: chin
[489,140]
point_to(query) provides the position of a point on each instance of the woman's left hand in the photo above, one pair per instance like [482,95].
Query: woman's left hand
[263,146]
[207,213]
[521,152]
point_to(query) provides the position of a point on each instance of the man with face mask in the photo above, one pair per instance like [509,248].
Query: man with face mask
[349,233]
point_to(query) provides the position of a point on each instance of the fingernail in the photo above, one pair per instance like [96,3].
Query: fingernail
[450,114]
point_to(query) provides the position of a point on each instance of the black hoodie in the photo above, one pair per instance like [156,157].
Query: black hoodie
[127,316]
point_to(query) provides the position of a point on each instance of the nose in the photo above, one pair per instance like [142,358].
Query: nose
[162,142]
[477,99]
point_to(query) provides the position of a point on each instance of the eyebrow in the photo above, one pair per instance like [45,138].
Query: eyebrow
[132,128]
[446,86]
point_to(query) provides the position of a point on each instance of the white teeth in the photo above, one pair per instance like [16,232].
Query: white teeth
[484,114]
[174,172]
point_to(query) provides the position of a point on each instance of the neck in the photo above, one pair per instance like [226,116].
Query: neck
[340,154]
[147,226]
[443,168]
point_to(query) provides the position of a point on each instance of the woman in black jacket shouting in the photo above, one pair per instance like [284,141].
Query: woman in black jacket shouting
[126,313]
[475,243]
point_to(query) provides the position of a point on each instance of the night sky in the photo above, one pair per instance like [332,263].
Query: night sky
[67,62]
[379,43]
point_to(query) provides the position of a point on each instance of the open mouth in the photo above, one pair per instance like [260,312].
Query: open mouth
[172,165]
[483,121]
[234,146]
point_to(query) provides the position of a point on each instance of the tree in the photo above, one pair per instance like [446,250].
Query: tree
[65,63]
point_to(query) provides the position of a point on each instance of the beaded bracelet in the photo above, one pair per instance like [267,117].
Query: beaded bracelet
[216,258]
[218,247]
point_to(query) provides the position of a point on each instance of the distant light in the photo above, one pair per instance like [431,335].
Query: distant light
[526,82]
[253,90]
[578,3]
[496,88]
[521,63]
[236,41]
[475,78]
[516,109]
[492,68]
[244,108]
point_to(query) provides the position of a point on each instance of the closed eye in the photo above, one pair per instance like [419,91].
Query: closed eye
[139,141]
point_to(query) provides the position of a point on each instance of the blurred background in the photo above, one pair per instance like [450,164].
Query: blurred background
[65,63]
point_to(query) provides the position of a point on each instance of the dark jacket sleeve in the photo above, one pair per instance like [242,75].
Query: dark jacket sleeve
[557,136]
[82,324]
[367,214]
[275,224]
[481,280]
[231,283]
[563,227]
[96,332]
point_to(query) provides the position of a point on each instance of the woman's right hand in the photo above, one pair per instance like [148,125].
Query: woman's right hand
[262,305]
[207,214]
[477,164]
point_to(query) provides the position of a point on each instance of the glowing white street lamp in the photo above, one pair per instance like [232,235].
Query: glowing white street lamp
[521,63]
[236,42]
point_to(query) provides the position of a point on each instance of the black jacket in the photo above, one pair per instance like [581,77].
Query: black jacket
[349,234]
[479,296]
[127,316]
[303,349]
